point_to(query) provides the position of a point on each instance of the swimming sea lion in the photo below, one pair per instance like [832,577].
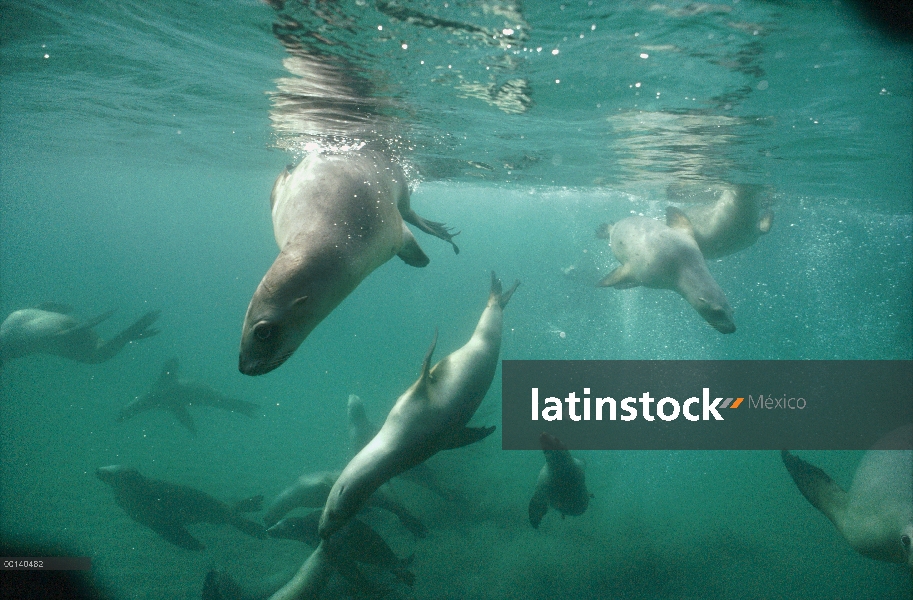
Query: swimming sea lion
[361,430]
[312,489]
[733,222]
[876,515]
[336,218]
[166,507]
[175,395]
[561,484]
[356,541]
[655,255]
[51,329]
[429,417]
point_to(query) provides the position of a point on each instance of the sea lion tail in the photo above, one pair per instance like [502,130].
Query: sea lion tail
[495,294]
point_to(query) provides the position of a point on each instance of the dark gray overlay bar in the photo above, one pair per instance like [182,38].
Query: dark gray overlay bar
[694,405]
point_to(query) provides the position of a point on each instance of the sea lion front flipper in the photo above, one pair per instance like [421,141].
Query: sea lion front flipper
[766,221]
[181,413]
[177,535]
[676,219]
[466,436]
[538,506]
[411,253]
[56,307]
[621,278]
[817,487]
[430,227]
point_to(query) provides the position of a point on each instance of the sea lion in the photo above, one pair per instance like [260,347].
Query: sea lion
[50,328]
[167,507]
[175,395]
[312,489]
[356,542]
[336,218]
[655,255]
[876,515]
[561,484]
[361,430]
[429,417]
[731,223]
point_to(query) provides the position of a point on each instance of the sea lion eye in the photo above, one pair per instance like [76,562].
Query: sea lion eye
[905,540]
[263,331]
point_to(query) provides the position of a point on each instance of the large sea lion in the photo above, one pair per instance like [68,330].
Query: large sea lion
[561,484]
[356,542]
[362,430]
[336,218]
[876,515]
[175,395]
[50,328]
[312,489]
[167,507]
[655,255]
[734,221]
[429,417]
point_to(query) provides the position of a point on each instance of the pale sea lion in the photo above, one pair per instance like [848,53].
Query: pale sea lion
[655,255]
[312,489]
[429,417]
[167,507]
[336,218]
[361,430]
[876,515]
[175,395]
[561,484]
[734,221]
[356,542]
[50,328]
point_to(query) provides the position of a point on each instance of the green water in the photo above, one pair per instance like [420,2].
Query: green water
[135,168]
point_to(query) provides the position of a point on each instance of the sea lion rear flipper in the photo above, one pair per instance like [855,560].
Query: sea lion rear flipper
[57,307]
[621,278]
[183,416]
[468,435]
[766,221]
[677,219]
[495,291]
[817,487]
[177,535]
[411,253]
[538,506]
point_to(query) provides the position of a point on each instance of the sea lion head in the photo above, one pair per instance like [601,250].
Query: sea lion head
[281,314]
[717,312]
[116,475]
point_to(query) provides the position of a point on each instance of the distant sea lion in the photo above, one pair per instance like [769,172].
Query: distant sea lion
[336,218]
[731,223]
[166,507]
[50,328]
[429,417]
[175,395]
[876,515]
[355,542]
[361,430]
[561,484]
[655,255]
[311,491]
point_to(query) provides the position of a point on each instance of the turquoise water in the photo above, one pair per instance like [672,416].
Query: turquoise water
[139,146]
